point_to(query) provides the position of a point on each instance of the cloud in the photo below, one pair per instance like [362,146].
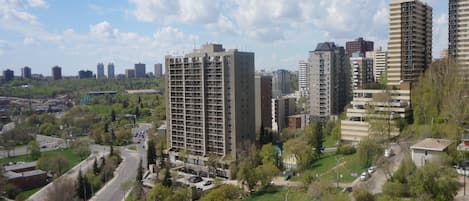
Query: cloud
[14,10]
[28,41]
[4,46]
[37,3]
[103,30]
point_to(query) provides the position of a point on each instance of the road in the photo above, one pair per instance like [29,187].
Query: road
[46,143]
[141,149]
[127,171]
[97,151]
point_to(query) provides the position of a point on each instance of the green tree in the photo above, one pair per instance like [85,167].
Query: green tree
[83,187]
[96,169]
[246,166]
[362,195]
[368,152]
[113,116]
[265,173]
[34,150]
[314,136]
[55,163]
[139,172]
[151,152]
[167,181]
[298,148]
[268,154]
[81,148]
[222,193]
[439,182]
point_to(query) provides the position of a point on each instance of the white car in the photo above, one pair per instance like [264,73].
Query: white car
[371,170]
[364,176]
[388,152]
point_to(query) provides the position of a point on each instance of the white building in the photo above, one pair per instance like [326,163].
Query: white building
[380,62]
[303,78]
[429,149]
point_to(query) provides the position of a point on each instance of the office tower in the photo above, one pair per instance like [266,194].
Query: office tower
[362,70]
[110,71]
[280,83]
[56,73]
[458,32]
[158,70]
[303,78]
[129,73]
[329,81]
[26,72]
[8,75]
[282,108]
[100,71]
[410,40]
[210,104]
[140,71]
[263,98]
[358,45]
[380,63]
[85,74]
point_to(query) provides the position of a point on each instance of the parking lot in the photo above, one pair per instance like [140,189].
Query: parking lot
[184,178]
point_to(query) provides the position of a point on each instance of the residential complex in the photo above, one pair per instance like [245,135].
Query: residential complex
[8,75]
[100,71]
[85,74]
[263,97]
[140,70]
[362,70]
[158,70]
[359,45]
[56,73]
[210,104]
[110,71]
[329,81]
[458,33]
[129,73]
[281,83]
[410,40]
[26,72]
[303,78]
[282,108]
[380,63]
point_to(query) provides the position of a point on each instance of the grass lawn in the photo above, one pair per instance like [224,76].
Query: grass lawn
[68,153]
[328,161]
[25,194]
[329,141]
[278,194]
[101,109]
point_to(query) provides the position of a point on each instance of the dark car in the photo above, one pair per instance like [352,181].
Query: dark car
[195,179]
[347,189]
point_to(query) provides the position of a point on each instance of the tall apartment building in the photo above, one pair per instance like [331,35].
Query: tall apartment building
[129,73]
[85,74]
[362,70]
[111,71]
[282,108]
[56,73]
[26,72]
[303,78]
[100,71]
[458,33]
[263,97]
[410,40]
[358,45]
[140,70]
[210,104]
[8,75]
[281,83]
[329,81]
[380,63]
[158,70]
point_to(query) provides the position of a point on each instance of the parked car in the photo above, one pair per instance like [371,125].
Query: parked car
[388,152]
[371,170]
[195,179]
[364,176]
[208,183]
[347,189]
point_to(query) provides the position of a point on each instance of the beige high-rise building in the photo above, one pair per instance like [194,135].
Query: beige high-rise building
[380,63]
[210,105]
[459,33]
[410,40]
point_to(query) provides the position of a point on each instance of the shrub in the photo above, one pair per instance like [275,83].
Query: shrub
[346,149]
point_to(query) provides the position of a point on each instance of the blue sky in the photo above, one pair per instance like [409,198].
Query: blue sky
[77,34]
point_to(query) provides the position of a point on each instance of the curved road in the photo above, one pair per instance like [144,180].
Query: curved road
[114,190]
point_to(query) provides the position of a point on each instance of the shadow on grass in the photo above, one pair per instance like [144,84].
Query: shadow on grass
[266,191]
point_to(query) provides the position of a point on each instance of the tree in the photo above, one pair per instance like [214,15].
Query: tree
[298,148]
[362,195]
[81,148]
[439,182]
[368,152]
[62,189]
[167,181]
[83,187]
[265,173]
[34,150]
[268,154]
[246,166]
[96,169]
[318,189]
[54,163]
[139,172]
[113,116]
[314,136]
[151,152]
[222,193]
[212,163]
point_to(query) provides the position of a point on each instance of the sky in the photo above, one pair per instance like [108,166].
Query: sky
[77,34]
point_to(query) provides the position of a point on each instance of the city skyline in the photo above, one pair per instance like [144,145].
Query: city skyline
[128,32]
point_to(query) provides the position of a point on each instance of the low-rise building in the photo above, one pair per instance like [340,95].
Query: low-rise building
[464,146]
[429,149]
[298,121]
[25,176]
[282,108]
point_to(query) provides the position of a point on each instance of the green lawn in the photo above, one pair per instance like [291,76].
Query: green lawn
[328,161]
[25,194]
[74,158]
[101,109]
[329,141]
[278,194]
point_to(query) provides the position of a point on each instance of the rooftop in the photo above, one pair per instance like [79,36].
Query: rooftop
[432,144]
[20,166]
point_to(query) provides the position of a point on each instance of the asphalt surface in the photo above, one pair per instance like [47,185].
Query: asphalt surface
[114,190]
[46,143]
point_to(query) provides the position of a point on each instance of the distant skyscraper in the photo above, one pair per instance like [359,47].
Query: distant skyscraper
[100,71]
[129,73]
[56,73]
[140,71]
[380,63]
[362,70]
[210,104]
[110,71]
[280,83]
[158,70]
[329,81]
[410,40]
[263,98]
[303,78]
[26,72]
[85,74]
[359,45]
[458,34]
[8,75]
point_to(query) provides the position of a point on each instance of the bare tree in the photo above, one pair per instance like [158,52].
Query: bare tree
[62,189]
